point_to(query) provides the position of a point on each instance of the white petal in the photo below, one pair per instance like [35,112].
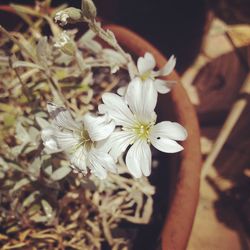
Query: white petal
[166,145]
[117,109]
[170,130]
[66,140]
[103,109]
[56,140]
[99,127]
[134,95]
[149,95]
[104,159]
[138,159]
[78,159]
[46,133]
[49,140]
[169,67]
[51,146]
[61,117]
[161,86]
[146,63]
[122,91]
[142,99]
[117,143]
[97,164]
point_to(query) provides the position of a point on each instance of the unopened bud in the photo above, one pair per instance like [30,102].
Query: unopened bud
[69,15]
[89,9]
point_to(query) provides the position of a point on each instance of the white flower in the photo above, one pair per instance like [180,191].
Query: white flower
[61,17]
[65,43]
[146,67]
[146,71]
[136,117]
[62,40]
[79,140]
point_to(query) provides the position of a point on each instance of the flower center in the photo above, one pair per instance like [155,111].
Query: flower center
[85,140]
[142,130]
[146,75]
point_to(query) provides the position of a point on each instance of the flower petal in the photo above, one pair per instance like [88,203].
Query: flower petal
[170,130]
[99,127]
[105,160]
[51,146]
[47,133]
[146,63]
[149,97]
[49,141]
[166,145]
[122,91]
[66,140]
[134,96]
[97,164]
[61,117]
[142,98]
[117,143]
[117,109]
[78,160]
[161,86]
[138,159]
[169,66]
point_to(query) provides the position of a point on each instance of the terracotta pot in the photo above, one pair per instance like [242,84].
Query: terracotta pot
[179,220]
[183,168]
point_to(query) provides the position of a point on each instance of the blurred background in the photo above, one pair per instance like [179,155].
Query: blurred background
[211,40]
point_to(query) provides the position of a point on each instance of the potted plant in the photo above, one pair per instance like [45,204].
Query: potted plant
[77,74]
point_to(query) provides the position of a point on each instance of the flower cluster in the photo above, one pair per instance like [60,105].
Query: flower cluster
[126,124]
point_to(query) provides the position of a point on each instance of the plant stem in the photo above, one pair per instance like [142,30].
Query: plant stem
[26,90]
[110,39]
[56,90]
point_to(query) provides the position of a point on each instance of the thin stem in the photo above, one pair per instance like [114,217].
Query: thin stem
[55,88]
[109,38]
[26,90]
[79,61]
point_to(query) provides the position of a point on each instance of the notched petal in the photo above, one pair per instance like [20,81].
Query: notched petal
[61,117]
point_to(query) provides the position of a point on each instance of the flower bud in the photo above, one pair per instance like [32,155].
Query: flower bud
[69,15]
[89,9]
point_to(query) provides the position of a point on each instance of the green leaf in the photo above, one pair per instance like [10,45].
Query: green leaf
[18,64]
[48,170]
[35,166]
[27,10]
[21,133]
[42,122]
[34,134]
[60,173]
[7,108]
[2,175]
[30,199]
[17,150]
[20,184]
[47,208]
[39,218]
[4,165]
[43,52]
[9,120]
